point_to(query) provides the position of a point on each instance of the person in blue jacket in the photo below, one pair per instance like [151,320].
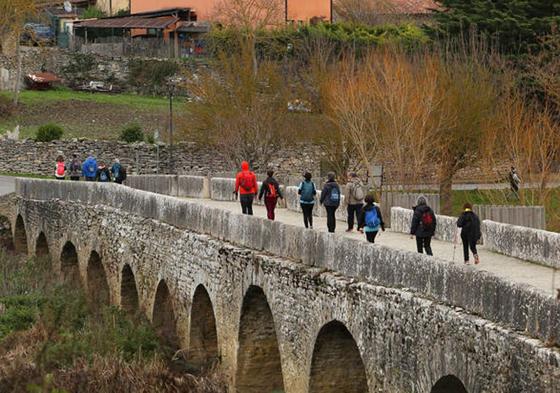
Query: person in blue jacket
[89,168]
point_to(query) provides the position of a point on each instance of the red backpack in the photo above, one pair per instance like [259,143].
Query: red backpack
[427,219]
[272,191]
[247,181]
[60,169]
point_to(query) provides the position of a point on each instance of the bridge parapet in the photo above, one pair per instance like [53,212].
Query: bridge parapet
[479,292]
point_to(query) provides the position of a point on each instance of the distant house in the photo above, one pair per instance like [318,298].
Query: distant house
[112,7]
[205,10]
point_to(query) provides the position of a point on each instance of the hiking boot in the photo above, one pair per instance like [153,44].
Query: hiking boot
[349,230]
[476,260]
[467,262]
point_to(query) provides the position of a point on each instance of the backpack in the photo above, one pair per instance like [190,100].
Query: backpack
[334,196]
[307,191]
[103,176]
[247,182]
[372,218]
[427,219]
[60,169]
[91,168]
[75,167]
[272,191]
[358,192]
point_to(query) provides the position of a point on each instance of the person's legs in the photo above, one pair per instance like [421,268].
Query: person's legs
[358,210]
[270,204]
[250,206]
[474,250]
[420,244]
[75,178]
[307,210]
[245,204]
[350,219]
[465,241]
[331,219]
[370,236]
[427,245]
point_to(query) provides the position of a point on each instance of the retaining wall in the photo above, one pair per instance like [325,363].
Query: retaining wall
[530,244]
[477,291]
[525,216]
[180,186]
[446,228]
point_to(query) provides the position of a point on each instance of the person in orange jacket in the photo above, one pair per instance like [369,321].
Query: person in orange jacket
[247,188]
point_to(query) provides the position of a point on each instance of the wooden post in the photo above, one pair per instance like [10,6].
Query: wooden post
[176,43]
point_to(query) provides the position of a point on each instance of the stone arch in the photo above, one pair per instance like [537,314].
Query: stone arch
[97,286]
[69,265]
[20,236]
[203,343]
[449,384]
[129,292]
[259,367]
[163,316]
[42,246]
[6,237]
[337,365]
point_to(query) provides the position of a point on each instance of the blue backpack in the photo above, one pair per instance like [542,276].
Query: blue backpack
[335,196]
[91,167]
[103,176]
[372,218]
[307,191]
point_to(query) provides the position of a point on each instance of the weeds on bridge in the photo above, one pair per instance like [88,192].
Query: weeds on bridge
[53,340]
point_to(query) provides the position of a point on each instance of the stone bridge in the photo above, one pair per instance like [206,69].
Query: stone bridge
[280,308]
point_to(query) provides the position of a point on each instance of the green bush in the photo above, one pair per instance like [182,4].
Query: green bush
[92,12]
[49,132]
[151,76]
[132,133]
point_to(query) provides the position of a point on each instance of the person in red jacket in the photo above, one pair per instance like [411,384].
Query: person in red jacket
[246,186]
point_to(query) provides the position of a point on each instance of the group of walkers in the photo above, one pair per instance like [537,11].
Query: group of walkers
[363,212]
[89,170]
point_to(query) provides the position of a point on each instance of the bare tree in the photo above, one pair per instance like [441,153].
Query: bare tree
[13,15]
[370,12]
[250,16]
[240,113]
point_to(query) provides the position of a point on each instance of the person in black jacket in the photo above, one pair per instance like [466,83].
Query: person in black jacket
[470,232]
[423,225]
[330,198]
[370,219]
[270,189]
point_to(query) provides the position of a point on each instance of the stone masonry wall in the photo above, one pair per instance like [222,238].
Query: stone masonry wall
[189,158]
[406,343]
[479,292]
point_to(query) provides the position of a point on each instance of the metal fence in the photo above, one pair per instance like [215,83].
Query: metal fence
[525,216]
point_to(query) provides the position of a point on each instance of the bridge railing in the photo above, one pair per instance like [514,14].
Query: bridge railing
[477,291]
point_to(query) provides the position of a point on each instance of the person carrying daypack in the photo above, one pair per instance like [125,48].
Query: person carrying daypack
[330,198]
[103,173]
[370,219]
[116,171]
[514,182]
[89,168]
[470,232]
[60,168]
[354,199]
[307,193]
[246,186]
[75,168]
[270,189]
[423,225]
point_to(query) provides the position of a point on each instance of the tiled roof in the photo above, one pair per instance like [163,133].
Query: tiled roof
[412,7]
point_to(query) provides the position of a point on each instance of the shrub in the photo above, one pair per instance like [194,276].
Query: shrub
[6,107]
[150,76]
[92,12]
[132,133]
[49,132]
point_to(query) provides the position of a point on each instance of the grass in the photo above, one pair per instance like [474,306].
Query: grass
[37,97]
[27,175]
[53,340]
[88,115]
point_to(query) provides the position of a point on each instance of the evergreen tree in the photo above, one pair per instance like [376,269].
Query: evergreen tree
[515,25]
